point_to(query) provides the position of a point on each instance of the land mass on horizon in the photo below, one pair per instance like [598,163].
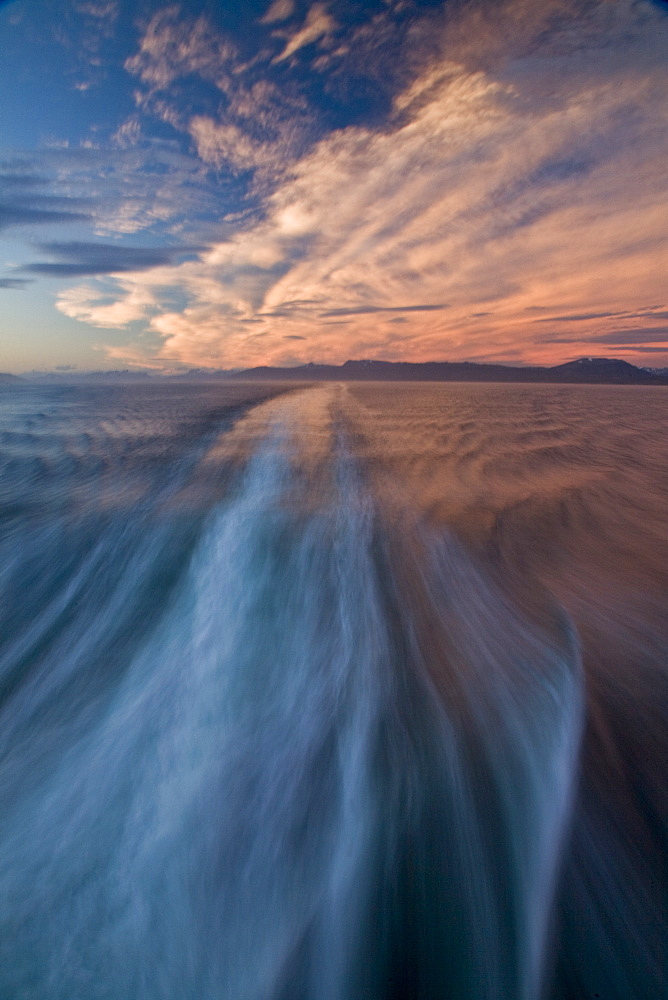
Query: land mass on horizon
[584,370]
[590,371]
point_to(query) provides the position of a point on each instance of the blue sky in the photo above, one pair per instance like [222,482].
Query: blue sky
[228,184]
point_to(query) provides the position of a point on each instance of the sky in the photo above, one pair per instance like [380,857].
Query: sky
[227,183]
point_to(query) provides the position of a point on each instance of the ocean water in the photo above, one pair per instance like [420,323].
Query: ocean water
[334,692]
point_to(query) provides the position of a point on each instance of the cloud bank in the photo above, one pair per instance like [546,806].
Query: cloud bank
[504,197]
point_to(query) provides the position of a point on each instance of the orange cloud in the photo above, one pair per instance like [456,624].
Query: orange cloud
[482,191]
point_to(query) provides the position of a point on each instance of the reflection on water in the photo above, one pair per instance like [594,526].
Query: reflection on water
[354,692]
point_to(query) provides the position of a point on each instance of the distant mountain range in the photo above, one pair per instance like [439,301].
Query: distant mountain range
[608,371]
[604,371]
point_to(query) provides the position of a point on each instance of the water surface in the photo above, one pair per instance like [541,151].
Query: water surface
[337,693]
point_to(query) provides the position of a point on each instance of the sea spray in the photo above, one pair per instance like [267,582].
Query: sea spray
[511,687]
[279,800]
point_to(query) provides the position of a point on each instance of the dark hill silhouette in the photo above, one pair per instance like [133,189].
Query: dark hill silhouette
[585,370]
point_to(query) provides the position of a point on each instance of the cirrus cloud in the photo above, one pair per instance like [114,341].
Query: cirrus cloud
[498,182]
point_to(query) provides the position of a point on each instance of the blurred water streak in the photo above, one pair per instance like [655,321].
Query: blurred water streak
[354,692]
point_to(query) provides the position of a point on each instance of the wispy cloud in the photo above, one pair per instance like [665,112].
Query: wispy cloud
[81,258]
[227,144]
[497,179]
[129,186]
[259,126]
[475,192]
[170,49]
[128,134]
[318,24]
[24,215]
[14,283]
[629,337]
[365,310]
[106,308]
[26,200]
[280,10]
[575,317]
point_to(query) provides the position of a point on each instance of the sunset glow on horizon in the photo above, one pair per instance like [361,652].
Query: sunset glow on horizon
[276,183]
